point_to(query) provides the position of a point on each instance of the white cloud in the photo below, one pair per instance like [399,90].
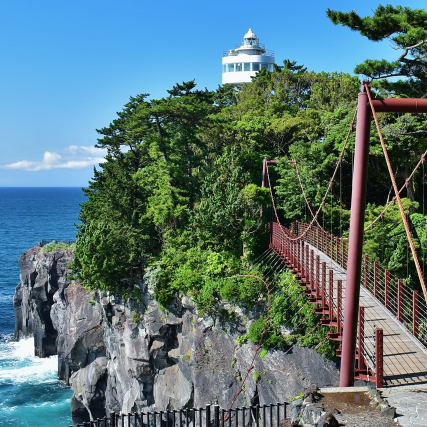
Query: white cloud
[72,157]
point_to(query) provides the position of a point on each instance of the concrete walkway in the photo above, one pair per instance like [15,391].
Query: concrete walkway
[410,403]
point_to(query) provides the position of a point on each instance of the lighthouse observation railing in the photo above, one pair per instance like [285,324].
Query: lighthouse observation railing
[265,52]
[210,416]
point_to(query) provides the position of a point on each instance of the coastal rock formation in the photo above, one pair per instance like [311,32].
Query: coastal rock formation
[43,274]
[133,355]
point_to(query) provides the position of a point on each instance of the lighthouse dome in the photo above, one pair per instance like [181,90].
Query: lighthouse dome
[240,64]
[250,35]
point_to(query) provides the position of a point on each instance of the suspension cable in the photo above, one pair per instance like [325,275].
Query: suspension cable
[316,215]
[340,196]
[396,191]
[303,192]
[422,183]
[388,204]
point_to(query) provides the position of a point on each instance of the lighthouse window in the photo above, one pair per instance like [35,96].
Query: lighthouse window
[224,68]
[247,66]
[264,65]
[239,67]
[255,66]
[230,67]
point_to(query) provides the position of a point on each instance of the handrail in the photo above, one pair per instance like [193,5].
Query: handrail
[197,417]
[389,290]
[324,285]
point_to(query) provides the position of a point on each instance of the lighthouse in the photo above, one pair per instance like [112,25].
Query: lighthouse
[243,62]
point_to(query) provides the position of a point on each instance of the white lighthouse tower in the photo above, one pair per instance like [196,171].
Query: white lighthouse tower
[243,62]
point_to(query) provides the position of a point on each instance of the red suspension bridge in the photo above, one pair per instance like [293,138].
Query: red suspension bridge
[380,323]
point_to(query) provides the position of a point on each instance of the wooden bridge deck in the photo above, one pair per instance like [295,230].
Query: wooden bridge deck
[405,358]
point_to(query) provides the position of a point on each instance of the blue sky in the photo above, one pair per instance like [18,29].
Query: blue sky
[67,66]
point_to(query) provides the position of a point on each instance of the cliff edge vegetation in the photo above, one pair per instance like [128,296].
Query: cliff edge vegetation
[177,200]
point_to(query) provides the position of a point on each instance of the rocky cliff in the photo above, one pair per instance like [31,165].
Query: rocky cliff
[43,275]
[133,355]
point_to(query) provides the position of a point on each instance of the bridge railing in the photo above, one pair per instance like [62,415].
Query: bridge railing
[402,302]
[255,415]
[323,282]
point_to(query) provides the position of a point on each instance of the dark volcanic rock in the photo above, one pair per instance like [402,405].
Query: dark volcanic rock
[42,275]
[170,359]
[128,356]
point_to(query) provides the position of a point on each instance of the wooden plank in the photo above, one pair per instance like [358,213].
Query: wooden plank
[405,358]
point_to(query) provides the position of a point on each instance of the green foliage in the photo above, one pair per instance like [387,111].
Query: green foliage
[176,202]
[227,216]
[298,396]
[56,245]
[387,243]
[242,339]
[263,353]
[290,308]
[407,30]
[136,317]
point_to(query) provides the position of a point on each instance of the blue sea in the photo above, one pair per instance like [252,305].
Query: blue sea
[30,393]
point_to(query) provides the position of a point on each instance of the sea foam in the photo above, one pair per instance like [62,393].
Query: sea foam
[19,365]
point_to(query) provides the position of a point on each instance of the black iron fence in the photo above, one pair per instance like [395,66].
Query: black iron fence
[210,416]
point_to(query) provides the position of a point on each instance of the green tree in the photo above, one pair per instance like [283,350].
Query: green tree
[116,239]
[228,214]
[407,31]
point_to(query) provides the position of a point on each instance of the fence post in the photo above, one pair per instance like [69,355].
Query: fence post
[415,313]
[379,372]
[323,287]
[208,415]
[286,248]
[387,284]
[344,255]
[365,272]
[292,252]
[317,276]
[331,295]
[337,249]
[216,416]
[375,279]
[303,269]
[113,419]
[361,337]
[339,292]
[322,241]
[312,269]
[399,300]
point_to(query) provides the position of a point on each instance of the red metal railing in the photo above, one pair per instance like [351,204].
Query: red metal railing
[324,287]
[402,302]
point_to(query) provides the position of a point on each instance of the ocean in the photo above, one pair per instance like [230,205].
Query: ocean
[30,393]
